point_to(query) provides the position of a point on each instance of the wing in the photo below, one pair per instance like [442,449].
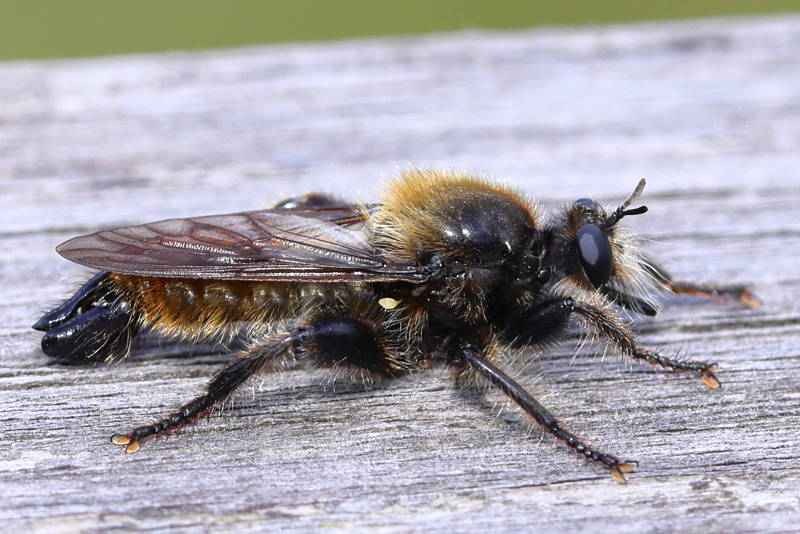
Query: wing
[257,245]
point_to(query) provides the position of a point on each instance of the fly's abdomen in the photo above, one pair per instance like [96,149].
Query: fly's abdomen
[193,309]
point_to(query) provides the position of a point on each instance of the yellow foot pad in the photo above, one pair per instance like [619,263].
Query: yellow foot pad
[749,299]
[621,468]
[709,379]
[127,441]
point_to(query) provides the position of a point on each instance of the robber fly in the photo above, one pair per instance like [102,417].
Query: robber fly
[447,269]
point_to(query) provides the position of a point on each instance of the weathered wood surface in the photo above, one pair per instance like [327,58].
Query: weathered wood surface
[708,111]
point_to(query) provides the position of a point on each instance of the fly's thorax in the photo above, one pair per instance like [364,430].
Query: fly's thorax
[469,234]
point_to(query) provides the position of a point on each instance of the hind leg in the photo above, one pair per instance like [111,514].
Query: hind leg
[95,324]
[341,340]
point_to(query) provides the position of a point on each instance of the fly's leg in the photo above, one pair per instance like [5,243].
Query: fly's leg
[354,345]
[543,321]
[720,292]
[607,325]
[335,341]
[540,414]
[96,324]
[326,207]
[219,388]
[312,201]
[741,293]
[629,302]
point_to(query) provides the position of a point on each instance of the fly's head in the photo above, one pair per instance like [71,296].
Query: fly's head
[590,254]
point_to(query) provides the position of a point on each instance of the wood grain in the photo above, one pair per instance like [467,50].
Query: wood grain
[707,111]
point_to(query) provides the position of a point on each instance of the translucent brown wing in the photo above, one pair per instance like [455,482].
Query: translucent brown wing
[257,245]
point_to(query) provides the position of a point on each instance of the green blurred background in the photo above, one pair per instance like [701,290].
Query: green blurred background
[64,28]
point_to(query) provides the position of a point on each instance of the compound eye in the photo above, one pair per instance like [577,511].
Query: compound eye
[587,204]
[596,256]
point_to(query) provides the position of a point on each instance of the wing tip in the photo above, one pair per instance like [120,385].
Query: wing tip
[65,248]
[77,250]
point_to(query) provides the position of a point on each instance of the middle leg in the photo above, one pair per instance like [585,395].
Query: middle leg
[540,414]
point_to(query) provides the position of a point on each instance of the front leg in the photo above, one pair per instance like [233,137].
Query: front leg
[720,292]
[540,414]
[545,320]
[607,325]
